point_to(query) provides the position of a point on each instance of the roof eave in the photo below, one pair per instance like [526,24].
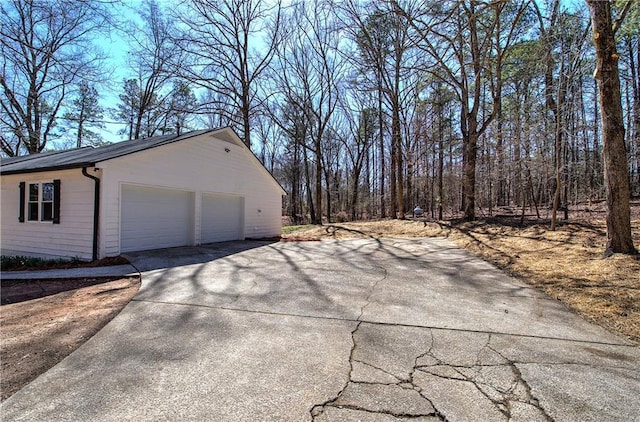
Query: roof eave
[50,168]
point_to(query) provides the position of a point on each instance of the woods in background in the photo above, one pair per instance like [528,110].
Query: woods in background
[361,109]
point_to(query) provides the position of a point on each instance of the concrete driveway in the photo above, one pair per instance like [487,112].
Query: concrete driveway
[352,330]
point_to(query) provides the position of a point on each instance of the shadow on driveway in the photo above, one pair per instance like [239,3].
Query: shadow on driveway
[158,259]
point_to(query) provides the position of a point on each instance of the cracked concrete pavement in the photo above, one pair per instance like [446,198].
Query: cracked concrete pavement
[350,330]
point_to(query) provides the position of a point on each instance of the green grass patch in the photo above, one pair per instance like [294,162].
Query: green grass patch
[292,229]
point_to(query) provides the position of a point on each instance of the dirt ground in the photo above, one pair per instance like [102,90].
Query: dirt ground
[42,321]
[567,264]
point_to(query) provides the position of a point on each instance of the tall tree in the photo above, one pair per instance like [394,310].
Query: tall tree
[86,113]
[523,75]
[368,29]
[153,58]
[357,134]
[441,98]
[219,39]
[385,50]
[46,47]
[292,123]
[629,34]
[306,75]
[129,106]
[563,38]
[467,43]
[181,104]
[616,168]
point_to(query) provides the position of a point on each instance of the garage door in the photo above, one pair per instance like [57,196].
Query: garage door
[154,218]
[222,218]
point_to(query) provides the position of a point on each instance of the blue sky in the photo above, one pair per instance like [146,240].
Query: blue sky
[115,46]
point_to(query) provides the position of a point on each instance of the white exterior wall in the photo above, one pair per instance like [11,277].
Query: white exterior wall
[200,165]
[221,217]
[73,237]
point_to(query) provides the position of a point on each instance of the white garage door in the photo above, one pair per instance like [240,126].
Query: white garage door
[222,218]
[154,218]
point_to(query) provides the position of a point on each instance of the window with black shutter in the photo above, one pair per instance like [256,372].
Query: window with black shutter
[42,200]
[23,197]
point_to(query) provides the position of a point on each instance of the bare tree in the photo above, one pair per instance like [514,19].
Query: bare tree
[153,59]
[629,33]
[616,168]
[372,39]
[357,134]
[128,107]
[562,37]
[219,39]
[307,74]
[386,50]
[45,50]
[460,38]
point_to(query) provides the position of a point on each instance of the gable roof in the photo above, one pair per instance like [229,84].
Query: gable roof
[87,156]
[90,156]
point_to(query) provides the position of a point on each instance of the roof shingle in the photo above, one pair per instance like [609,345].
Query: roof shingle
[86,156]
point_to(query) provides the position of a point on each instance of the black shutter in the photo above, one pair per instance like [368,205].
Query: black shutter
[22,201]
[56,201]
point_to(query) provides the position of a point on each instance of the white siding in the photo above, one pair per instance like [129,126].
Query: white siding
[200,165]
[73,237]
[221,218]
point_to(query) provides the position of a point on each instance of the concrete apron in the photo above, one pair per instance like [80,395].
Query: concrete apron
[353,330]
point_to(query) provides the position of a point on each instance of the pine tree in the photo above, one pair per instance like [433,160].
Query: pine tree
[87,113]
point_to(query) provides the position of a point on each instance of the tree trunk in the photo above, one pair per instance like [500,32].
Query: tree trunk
[246,113]
[295,184]
[392,178]
[440,166]
[501,193]
[398,178]
[470,150]
[328,196]
[633,66]
[383,211]
[354,195]
[616,170]
[312,210]
[558,159]
[318,192]
[80,123]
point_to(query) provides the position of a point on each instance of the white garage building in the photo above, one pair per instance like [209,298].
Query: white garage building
[196,188]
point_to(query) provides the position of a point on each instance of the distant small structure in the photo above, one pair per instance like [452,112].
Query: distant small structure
[417,211]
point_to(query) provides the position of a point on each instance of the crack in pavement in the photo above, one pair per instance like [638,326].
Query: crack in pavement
[389,413]
[496,388]
[318,409]
[496,380]
[450,372]
[341,402]
[532,399]
[381,370]
[375,403]
[371,291]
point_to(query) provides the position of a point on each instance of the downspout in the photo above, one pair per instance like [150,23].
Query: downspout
[96,210]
